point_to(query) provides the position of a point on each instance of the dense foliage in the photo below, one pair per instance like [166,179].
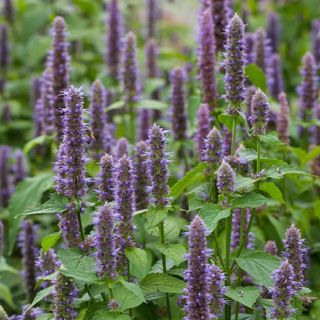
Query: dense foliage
[159,159]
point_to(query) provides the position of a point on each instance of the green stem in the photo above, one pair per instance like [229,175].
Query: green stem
[132,123]
[218,250]
[258,155]
[164,265]
[129,279]
[234,134]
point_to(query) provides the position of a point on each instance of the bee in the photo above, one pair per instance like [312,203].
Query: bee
[90,136]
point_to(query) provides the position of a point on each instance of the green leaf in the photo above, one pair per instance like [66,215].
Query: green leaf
[279,171]
[171,229]
[244,184]
[175,252]
[226,119]
[191,177]
[40,296]
[6,296]
[27,195]
[244,295]
[161,282]
[128,295]
[93,168]
[56,204]
[249,200]
[139,263]
[115,106]
[259,265]
[77,266]
[50,241]
[256,76]
[274,192]
[152,104]
[314,153]
[4,267]
[46,316]
[212,214]
[271,139]
[38,141]
[154,216]
[152,85]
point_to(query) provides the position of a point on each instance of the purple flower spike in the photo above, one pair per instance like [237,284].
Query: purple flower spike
[129,73]
[32,314]
[260,113]
[35,92]
[105,242]
[114,35]
[214,150]
[203,130]
[124,207]
[106,178]
[142,178]
[316,40]
[275,76]
[296,253]
[5,185]
[98,118]
[273,31]
[234,64]
[65,294]
[283,119]
[47,264]
[8,10]
[198,276]
[151,59]
[1,238]
[178,104]
[38,119]
[6,115]
[70,163]
[226,179]
[283,290]
[61,71]
[261,49]
[207,60]
[158,166]
[316,137]
[153,14]
[69,226]
[122,148]
[249,43]
[27,241]
[4,49]
[19,168]
[47,101]
[217,289]
[144,123]
[271,247]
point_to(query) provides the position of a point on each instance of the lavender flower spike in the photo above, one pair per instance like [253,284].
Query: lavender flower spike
[198,296]
[61,71]
[98,117]
[203,129]
[4,49]
[261,49]
[105,179]
[283,290]
[214,149]
[226,179]
[1,238]
[129,72]
[9,10]
[5,185]
[19,168]
[271,247]
[207,60]
[47,264]
[153,13]
[122,148]
[70,163]
[283,119]
[316,41]
[273,31]
[178,103]
[275,77]
[249,41]
[105,242]
[65,294]
[124,206]
[234,64]
[296,253]
[114,35]
[28,250]
[151,59]
[158,166]
[144,123]
[260,113]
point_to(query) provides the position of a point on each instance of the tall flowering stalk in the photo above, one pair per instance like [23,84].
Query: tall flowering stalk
[226,179]
[142,180]
[28,251]
[113,41]
[283,119]
[122,148]
[283,290]
[153,14]
[249,44]
[105,181]
[214,149]
[98,119]
[9,10]
[198,275]
[202,130]
[38,119]
[19,169]
[105,241]
[48,264]
[207,60]
[273,31]
[124,208]
[61,71]
[296,254]
[4,55]
[65,294]
[144,123]
[316,41]
[261,49]
[178,104]
[271,247]
[5,184]
[35,90]
[275,76]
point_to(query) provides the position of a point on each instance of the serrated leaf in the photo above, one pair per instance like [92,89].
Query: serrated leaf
[314,153]
[38,141]
[244,295]
[212,214]
[256,76]
[259,265]
[194,175]
[271,139]
[154,216]
[249,200]
[4,267]
[244,184]
[161,282]
[175,252]
[279,171]
[40,296]
[50,241]
[226,119]
[139,262]
[274,192]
